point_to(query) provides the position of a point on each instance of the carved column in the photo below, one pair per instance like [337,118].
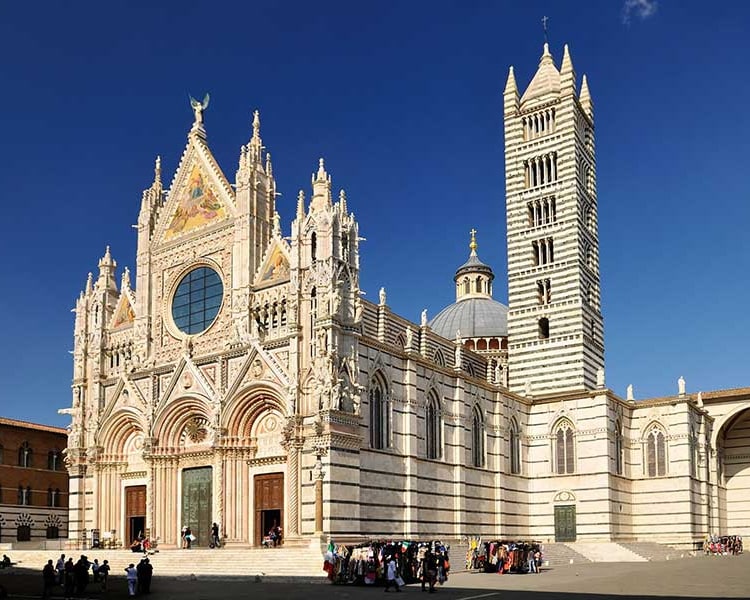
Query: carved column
[292,522]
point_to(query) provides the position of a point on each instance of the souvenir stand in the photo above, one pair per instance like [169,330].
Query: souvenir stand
[364,564]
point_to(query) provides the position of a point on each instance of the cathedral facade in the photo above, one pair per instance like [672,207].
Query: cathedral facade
[240,377]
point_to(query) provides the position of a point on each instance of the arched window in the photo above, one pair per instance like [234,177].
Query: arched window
[314,246]
[467,286]
[380,422]
[479,284]
[438,358]
[656,452]
[54,460]
[543,328]
[692,448]
[24,455]
[24,495]
[477,438]
[50,497]
[619,449]
[515,448]
[564,448]
[433,437]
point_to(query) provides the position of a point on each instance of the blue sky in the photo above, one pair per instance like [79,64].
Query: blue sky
[403,99]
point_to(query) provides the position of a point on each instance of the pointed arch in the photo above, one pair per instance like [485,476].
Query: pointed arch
[619,448]
[380,413]
[170,422]
[564,447]
[240,414]
[514,452]
[438,358]
[433,427]
[655,450]
[477,437]
[115,432]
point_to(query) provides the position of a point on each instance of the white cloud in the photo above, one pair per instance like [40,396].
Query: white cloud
[641,9]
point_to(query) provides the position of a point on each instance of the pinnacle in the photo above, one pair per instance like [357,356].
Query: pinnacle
[510,84]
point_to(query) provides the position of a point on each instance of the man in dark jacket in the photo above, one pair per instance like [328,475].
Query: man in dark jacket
[49,577]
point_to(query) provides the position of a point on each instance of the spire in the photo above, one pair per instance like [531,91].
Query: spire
[125,279]
[106,271]
[321,183]
[510,84]
[342,201]
[585,98]
[473,243]
[157,172]
[567,74]
[301,205]
[90,282]
[546,80]
[255,146]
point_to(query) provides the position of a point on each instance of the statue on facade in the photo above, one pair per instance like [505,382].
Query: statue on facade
[409,338]
[423,321]
[198,108]
[600,377]
[382,296]
[629,392]
[681,385]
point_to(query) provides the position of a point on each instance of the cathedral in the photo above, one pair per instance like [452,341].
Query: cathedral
[238,376]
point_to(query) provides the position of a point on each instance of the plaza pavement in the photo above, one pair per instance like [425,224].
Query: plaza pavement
[701,577]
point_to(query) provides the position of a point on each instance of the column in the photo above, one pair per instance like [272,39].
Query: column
[292,521]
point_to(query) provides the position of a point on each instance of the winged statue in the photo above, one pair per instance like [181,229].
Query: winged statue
[199,107]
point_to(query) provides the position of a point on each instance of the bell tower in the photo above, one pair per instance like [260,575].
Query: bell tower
[555,326]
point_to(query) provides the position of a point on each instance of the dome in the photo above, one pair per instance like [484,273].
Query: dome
[474,317]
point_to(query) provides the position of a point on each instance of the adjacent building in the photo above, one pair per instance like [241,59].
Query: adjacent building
[33,483]
[241,378]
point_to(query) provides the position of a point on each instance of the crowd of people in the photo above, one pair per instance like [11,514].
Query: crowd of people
[722,545]
[390,563]
[75,577]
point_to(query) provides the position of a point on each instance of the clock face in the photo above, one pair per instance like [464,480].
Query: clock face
[197,300]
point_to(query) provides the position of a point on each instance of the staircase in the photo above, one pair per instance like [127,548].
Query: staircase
[606,552]
[287,563]
[653,551]
[557,555]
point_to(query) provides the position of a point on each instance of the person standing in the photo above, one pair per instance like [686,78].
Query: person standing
[104,574]
[60,568]
[147,571]
[430,571]
[215,535]
[390,578]
[95,569]
[183,532]
[132,576]
[188,537]
[48,575]
[69,584]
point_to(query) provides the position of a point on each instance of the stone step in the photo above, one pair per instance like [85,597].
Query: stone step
[558,554]
[605,552]
[653,551]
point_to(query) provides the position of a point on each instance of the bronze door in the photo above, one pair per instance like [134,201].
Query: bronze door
[565,523]
[196,503]
[268,504]
[135,511]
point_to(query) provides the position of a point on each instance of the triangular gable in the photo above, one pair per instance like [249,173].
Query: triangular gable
[187,380]
[200,196]
[124,315]
[275,267]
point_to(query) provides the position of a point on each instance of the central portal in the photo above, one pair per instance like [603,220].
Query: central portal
[269,504]
[196,503]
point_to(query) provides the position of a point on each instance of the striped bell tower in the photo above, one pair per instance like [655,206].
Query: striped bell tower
[555,326]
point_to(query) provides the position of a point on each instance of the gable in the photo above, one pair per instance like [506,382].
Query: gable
[275,267]
[197,204]
[124,314]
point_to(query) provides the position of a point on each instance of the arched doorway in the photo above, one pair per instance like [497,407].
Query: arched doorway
[733,474]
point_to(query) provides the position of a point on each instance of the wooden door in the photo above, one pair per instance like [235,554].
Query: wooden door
[268,503]
[565,523]
[196,503]
[135,511]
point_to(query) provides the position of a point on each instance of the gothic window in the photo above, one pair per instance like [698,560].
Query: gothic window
[619,449]
[477,438]
[515,448]
[693,449]
[197,300]
[470,370]
[345,248]
[438,358]
[24,495]
[380,422]
[433,437]
[544,328]
[24,455]
[656,452]
[54,460]
[564,445]
[314,246]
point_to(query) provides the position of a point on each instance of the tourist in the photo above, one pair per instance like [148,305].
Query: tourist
[145,572]
[182,536]
[215,536]
[95,570]
[81,574]
[531,562]
[60,568]
[390,578]
[188,537]
[104,574]
[429,568]
[132,576]
[5,563]
[48,576]
[69,582]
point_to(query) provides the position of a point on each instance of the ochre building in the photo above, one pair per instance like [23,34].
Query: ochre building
[239,377]
[33,484]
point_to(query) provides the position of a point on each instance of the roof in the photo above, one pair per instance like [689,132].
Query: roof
[473,264]
[474,317]
[546,80]
[35,426]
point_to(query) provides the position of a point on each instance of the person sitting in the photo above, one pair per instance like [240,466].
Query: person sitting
[5,563]
[136,546]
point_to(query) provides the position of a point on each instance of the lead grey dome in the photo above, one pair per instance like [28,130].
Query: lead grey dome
[474,317]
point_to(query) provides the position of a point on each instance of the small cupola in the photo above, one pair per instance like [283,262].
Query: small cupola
[473,278]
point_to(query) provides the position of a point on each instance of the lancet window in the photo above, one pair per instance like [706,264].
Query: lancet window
[538,124]
[564,448]
[542,212]
[655,450]
[540,170]
[380,417]
[477,438]
[515,448]
[433,428]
